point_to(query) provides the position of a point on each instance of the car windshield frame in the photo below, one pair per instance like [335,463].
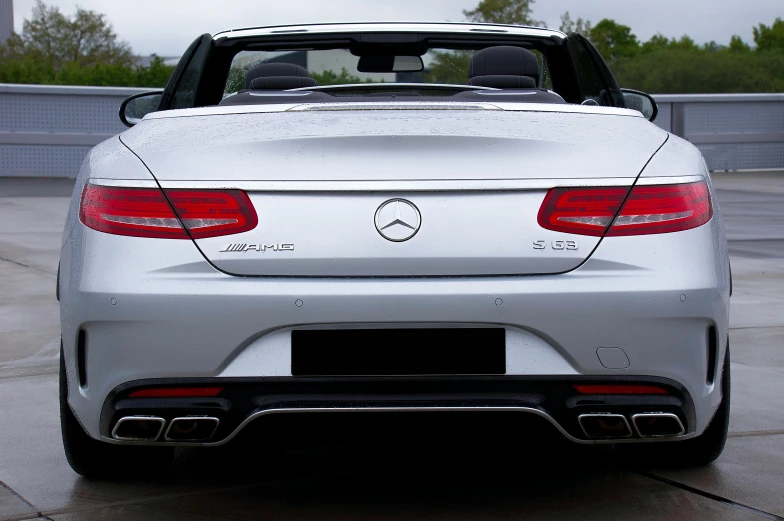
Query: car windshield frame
[210,64]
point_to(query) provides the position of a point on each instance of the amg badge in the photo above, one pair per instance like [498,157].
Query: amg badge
[242,248]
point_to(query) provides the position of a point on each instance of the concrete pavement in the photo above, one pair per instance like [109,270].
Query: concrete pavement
[409,467]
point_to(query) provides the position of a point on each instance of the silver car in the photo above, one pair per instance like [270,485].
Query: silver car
[392,217]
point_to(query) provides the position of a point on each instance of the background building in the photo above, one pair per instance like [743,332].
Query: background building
[6,19]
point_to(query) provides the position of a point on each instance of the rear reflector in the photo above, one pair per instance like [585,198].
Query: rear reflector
[177,392]
[146,212]
[648,209]
[620,389]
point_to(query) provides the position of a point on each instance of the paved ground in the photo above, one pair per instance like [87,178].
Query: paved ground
[458,467]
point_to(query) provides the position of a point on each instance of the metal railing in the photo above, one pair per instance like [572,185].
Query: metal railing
[733,131]
[47,130]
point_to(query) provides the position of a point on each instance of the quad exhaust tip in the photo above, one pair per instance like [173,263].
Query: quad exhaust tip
[657,424]
[191,428]
[605,426]
[138,428]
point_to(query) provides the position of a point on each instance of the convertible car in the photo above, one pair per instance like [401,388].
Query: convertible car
[386,217]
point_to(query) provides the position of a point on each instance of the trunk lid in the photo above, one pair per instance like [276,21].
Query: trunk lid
[339,193]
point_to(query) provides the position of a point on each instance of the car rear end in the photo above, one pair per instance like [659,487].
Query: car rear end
[569,265]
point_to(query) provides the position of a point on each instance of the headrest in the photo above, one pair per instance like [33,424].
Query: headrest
[278,76]
[504,67]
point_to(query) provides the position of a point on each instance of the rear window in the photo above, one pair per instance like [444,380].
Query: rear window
[340,67]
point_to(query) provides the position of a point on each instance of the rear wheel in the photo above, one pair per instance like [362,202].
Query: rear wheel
[97,459]
[694,452]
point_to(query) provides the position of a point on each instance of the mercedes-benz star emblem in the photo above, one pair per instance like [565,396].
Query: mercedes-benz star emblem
[398,220]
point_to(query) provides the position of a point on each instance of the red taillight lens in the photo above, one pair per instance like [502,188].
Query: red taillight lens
[585,211]
[664,209]
[145,212]
[210,213]
[619,389]
[177,392]
[648,209]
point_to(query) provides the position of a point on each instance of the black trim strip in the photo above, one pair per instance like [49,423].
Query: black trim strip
[714,497]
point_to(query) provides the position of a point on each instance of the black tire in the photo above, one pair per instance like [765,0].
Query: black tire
[97,459]
[695,452]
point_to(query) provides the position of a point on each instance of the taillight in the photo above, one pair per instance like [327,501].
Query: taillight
[145,212]
[176,392]
[648,209]
[664,209]
[585,211]
[619,389]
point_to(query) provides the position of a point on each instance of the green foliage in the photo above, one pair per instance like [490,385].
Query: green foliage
[738,45]
[770,38]
[657,42]
[677,70]
[83,49]
[332,78]
[78,50]
[516,12]
[684,43]
[236,79]
[681,66]
[614,40]
[86,39]
[156,74]
[449,67]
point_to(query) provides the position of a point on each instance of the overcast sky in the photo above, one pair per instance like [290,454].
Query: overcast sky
[166,27]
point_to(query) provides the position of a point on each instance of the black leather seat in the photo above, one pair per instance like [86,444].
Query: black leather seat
[278,76]
[504,67]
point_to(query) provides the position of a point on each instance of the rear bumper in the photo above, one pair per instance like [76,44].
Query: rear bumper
[245,400]
[168,315]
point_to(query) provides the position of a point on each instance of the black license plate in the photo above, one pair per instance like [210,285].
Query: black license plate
[390,352]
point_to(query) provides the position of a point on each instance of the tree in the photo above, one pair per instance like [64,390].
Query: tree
[331,77]
[449,67]
[681,71]
[738,45]
[575,26]
[770,38]
[614,40]
[78,50]
[684,43]
[236,79]
[712,46]
[514,12]
[85,40]
[156,74]
[679,65]
[657,42]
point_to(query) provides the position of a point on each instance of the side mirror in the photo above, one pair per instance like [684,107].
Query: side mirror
[641,102]
[137,106]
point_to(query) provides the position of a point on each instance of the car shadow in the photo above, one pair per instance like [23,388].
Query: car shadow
[391,448]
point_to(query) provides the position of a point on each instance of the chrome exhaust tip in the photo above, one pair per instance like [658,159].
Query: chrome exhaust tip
[604,426]
[657,424]
[138,428]
[191,428]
